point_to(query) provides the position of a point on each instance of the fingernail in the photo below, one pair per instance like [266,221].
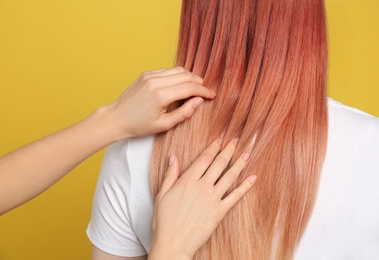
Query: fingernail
[214,94]
[221,140]
[235,141]
[252,179]
[198,102]
[172,159]
[246,156]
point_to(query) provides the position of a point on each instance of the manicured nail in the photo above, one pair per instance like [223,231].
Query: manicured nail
[198,102]
[252,179]
[246,156]
[172,159]
[235,141]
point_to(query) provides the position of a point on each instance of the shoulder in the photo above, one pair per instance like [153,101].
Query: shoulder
[126,161]
[126,154]
[115,156]
[352,128]
[113,225]
[125,169]
[138,154]
[140,148]
[350,119]
[346,212]
[351,162]
[353,140]
[351,166]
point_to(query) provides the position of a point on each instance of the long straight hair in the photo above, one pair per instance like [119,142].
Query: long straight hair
[267,62]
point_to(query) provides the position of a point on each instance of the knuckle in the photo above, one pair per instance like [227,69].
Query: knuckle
[180,69]
[160,95]
[233,177]
[207,157]
[229,178]
[144,76]
[164,125]
[214,149]
[240,191]
[236,169]
[194,77]
[186,113]
[150,82]
[224,182]
[187,74]
[193,86]
[217,145]
[223,161]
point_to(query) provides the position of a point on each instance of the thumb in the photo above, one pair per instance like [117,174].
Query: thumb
[182,113]
[171,175]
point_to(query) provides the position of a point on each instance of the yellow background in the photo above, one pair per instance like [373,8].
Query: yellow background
[60,60]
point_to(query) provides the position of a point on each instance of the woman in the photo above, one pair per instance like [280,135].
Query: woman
[267,63]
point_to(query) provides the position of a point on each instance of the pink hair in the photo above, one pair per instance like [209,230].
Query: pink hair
[267,62]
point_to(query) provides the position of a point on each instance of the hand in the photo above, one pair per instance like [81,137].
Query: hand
[188,210]
[141,109]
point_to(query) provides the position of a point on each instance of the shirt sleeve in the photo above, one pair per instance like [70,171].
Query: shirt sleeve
[110,227]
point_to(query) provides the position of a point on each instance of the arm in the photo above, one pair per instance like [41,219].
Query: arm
[187,209]
[140,110]
[98,254]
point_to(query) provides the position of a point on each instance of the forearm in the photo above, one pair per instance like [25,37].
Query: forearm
[140,110]
[32,169]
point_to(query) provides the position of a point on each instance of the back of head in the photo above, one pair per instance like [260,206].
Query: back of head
[267,62]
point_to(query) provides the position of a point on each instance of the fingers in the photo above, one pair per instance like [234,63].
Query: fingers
[238,193]
[171,176]
[201,164]
[179,92]
[180,114]
[176,84]
[231,175]
[221,162]
[186,90]
[178,78]
[161,72]
[167,72]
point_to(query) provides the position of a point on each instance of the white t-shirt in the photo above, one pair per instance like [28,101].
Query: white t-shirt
[344,223]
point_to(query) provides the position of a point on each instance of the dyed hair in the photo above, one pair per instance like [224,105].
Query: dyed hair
[267,62]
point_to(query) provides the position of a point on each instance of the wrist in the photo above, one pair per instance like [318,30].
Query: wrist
[107,121]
